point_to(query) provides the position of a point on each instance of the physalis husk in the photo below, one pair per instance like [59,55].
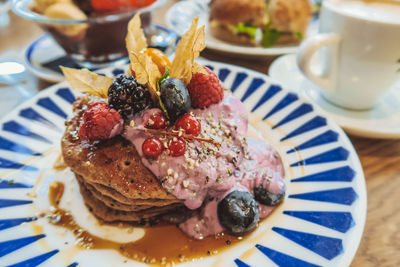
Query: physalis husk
[146,71]
[189,48]
[88,82]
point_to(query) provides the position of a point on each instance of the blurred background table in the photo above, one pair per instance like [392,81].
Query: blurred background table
[380,245]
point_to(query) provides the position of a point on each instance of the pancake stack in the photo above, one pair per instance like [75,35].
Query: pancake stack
[114,183]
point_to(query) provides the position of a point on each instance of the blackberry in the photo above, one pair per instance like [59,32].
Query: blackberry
[127,96]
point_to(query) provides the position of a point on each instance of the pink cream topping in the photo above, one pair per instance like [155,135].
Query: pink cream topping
[205,174]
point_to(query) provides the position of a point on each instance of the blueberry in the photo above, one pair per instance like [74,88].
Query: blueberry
[238,212]
[266,197]
[175,97]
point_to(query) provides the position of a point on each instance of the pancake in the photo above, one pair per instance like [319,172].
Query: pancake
[107,214]
[110,202]
[124,200]
[113,163]
[114,183]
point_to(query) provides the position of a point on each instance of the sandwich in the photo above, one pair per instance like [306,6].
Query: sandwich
[259,22]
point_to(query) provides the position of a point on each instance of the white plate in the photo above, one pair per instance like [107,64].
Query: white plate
[180,15]
[320,222]
[381,122]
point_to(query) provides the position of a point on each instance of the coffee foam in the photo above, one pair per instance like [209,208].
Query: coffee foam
[383,11]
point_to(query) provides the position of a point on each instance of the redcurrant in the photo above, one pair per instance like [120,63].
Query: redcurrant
[156,120]
[152,147]
[189,124]
[177,147]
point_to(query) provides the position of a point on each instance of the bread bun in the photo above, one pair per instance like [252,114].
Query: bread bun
[239,11]
[289,15]
[222,32]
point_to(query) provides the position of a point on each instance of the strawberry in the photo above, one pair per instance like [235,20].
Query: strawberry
[140,3]
[107,5]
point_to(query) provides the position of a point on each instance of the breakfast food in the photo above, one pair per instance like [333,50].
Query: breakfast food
[87,27]
[171,146]
[259,22]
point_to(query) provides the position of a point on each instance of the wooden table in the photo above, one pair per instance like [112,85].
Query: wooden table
[380,159]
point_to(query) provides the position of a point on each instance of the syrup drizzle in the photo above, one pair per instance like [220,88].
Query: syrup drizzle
[160,245]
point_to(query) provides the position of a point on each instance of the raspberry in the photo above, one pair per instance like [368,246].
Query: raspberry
[205,89]
[100,122]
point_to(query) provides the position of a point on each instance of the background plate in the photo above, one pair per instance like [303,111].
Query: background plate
[320,222]
[179,18]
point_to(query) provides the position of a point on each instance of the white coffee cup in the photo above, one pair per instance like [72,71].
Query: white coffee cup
[361,51]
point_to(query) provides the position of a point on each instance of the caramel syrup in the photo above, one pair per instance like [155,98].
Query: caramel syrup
[59,164]
[160,245]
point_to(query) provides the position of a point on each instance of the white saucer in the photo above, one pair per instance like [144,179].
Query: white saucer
[381,122]
[43,50]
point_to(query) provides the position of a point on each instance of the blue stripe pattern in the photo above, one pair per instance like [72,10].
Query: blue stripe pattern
[31,114]
[210,67]
[49,104]
[322,139]
[325,246]
[240,263]
[298,112]
[35,261]
[282,259]
[8,164]
[9,246]
[7,184]
[337,154]
[223,74]
[240,77]
[255,84]
[286,101]
[117,72]
[341,174]
[66,94]
[17,148]
[338,221]
[9,223]
[16,128]
[312,124]
[272,90]
[5,203]
[343,196]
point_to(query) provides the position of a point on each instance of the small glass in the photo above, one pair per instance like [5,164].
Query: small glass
[5,5]
[100,39]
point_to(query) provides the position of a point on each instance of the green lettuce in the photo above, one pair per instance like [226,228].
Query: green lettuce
[250,30]
[270,36]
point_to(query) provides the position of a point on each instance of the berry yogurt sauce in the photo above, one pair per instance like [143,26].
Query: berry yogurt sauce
[204,175]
